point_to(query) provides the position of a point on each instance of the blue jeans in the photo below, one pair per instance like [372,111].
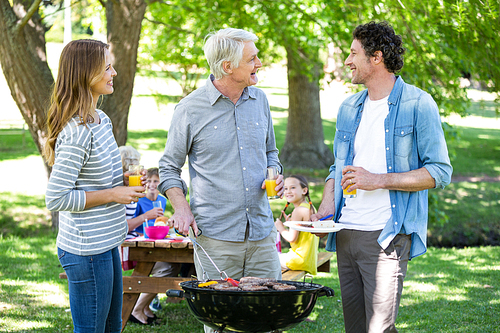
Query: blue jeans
[95,291]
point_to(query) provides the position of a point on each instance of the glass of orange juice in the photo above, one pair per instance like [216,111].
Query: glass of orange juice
[271,176]
[135,175]
[349,194]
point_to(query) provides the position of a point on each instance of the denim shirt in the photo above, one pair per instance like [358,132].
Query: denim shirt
[228,146]
[414,139]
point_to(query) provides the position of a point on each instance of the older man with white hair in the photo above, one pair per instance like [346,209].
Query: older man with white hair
[226,131]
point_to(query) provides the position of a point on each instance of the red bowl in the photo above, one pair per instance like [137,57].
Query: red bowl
[157,232]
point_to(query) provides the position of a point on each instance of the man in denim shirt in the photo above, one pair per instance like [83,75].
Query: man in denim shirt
[389,146]
[226,131]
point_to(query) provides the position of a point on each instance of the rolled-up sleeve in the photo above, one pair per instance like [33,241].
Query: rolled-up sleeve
[432,148]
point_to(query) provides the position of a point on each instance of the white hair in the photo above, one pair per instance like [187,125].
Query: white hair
[129,156]
[226,45]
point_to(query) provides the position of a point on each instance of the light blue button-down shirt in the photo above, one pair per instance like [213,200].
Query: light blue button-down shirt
[229,148]
[414,139]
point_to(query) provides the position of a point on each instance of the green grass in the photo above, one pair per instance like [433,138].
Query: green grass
[11,146]
[473,211]
[446,290]
[461,285]
[451,290]
[472,208]
[477,152]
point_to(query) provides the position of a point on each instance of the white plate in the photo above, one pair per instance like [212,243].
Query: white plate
[315,227]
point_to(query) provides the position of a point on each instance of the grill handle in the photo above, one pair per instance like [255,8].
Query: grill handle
[326,291]
[175,293]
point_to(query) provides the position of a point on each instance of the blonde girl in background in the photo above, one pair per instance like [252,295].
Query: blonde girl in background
[303,253]
[86,186]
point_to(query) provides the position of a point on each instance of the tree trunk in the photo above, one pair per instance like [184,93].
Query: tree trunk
[23,59]
[304,146]
[124,19]
[24,64]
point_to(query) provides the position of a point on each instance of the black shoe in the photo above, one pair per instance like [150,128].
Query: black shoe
[153,318]
[133,319]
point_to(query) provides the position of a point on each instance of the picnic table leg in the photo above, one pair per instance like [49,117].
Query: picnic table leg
[129,299]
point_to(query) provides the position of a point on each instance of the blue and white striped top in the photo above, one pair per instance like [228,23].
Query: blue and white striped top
[86,159]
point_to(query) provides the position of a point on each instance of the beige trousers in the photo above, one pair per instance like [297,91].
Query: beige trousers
[238,259]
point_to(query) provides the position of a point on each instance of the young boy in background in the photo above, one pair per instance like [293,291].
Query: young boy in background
[142,314]
[146,204]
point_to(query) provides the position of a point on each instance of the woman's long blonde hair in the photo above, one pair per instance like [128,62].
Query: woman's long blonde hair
[82,64]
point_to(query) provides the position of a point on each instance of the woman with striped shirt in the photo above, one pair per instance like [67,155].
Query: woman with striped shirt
[87,187]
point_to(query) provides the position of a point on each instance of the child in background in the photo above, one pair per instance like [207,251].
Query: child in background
[142,314]
[303,254]
[145,205]
[130,156]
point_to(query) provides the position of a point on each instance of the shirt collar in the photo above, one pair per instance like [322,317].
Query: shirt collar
[393,96]
[396,90]
[214,94]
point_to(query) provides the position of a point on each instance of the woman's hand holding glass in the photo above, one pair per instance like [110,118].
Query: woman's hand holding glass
[134,181]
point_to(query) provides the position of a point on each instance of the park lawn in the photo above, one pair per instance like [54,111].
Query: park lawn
[446,290]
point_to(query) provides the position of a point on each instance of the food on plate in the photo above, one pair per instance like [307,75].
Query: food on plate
[161,221]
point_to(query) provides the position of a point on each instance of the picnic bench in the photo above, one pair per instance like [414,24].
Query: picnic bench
[323,266]
[14,127]
[147,253]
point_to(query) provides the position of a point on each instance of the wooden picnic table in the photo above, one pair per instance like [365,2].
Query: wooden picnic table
[147,253]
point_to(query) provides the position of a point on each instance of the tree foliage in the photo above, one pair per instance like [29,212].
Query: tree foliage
[174,33]
[445,40]
[24,62]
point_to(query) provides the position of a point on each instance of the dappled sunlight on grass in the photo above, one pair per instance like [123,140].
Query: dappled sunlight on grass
[421,287]
[453,284]
[450,201]
[23,212]
[33,305]
[446,290]
[38,294]
[28,325]
[474,215]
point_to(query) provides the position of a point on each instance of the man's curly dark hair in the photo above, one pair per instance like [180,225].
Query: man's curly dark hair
[381,37]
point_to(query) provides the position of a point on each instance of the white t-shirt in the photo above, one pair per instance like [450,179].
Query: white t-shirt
[370,210]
